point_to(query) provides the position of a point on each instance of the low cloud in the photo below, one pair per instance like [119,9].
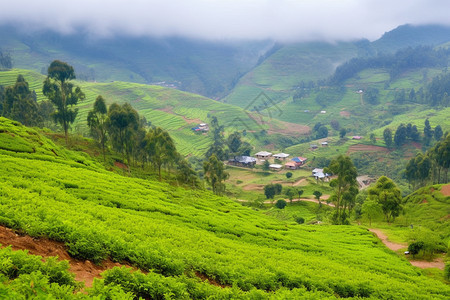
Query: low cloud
[282,20]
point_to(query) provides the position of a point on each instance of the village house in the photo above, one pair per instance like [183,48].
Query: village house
[202,127]
[299,161]
[242,161]
[281,156]
[319,174]
[275,167]
[324,144]
[263,155]
[291,165]
[313,146]
[356,137]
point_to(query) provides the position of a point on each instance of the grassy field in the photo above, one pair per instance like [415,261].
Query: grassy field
[176,233]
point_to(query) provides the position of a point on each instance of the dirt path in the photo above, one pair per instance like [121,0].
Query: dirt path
[384,239]
[301,181]
[84,270]
[437,263]
[323,199]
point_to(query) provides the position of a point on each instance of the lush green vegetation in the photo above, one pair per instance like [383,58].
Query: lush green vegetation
[177,233]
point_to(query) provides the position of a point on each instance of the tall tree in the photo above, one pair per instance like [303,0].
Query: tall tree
[438,132]
[217,146]
[161,148]
[290,192]
[386,193]
[400,135]
[20,103]
[215,174]
[345,187]
[317,195]
[387,135]
[186,174]
[371,209]
[122,122]
[427,132]
[97,121]
[62,93]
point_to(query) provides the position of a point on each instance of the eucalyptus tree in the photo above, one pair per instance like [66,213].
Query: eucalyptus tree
[160,148]
[123,121]
[62,93]
[215,174]
[345,187]
[97,121]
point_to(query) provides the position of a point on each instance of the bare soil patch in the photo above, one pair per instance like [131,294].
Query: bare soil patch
[286,128]
[84,270]
[445,190]
[345,114]
[121,165]
[361,147]
[437,263]
[253,187]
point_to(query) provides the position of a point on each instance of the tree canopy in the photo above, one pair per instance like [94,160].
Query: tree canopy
[345,187]
[62,93]
[388,195]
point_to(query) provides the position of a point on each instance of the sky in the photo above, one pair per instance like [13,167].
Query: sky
[281,20]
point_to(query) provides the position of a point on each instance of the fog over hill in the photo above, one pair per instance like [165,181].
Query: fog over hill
[281,20]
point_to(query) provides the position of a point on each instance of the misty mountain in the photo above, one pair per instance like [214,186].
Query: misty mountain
[203,67]
[235,71]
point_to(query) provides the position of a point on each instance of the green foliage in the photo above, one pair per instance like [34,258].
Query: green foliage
[97,122]
[280,204]
[387,135]
[388,196]
[415,247]
[215,174]
[288,175]
[345,187]
[178,233]
[62,93]
[371,209]
[19,103]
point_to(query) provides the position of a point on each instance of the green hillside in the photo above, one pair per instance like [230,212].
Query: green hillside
[282,71]
[171,109]
[176,233]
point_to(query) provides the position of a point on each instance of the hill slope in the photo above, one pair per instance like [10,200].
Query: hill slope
[171,109]
[174,231]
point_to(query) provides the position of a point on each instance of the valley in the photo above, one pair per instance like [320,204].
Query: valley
[225,170]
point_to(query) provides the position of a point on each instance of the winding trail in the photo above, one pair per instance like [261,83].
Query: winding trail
[323,200]
[436,263]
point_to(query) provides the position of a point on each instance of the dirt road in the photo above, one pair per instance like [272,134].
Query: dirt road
[437,263]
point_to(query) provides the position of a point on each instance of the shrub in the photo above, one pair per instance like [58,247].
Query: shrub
[288,174]
[280,204]
[299,220]
[415,248]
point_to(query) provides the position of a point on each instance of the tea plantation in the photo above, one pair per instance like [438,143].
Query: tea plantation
[182,240]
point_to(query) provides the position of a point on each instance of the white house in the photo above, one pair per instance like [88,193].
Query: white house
[281,156]
[263,155]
